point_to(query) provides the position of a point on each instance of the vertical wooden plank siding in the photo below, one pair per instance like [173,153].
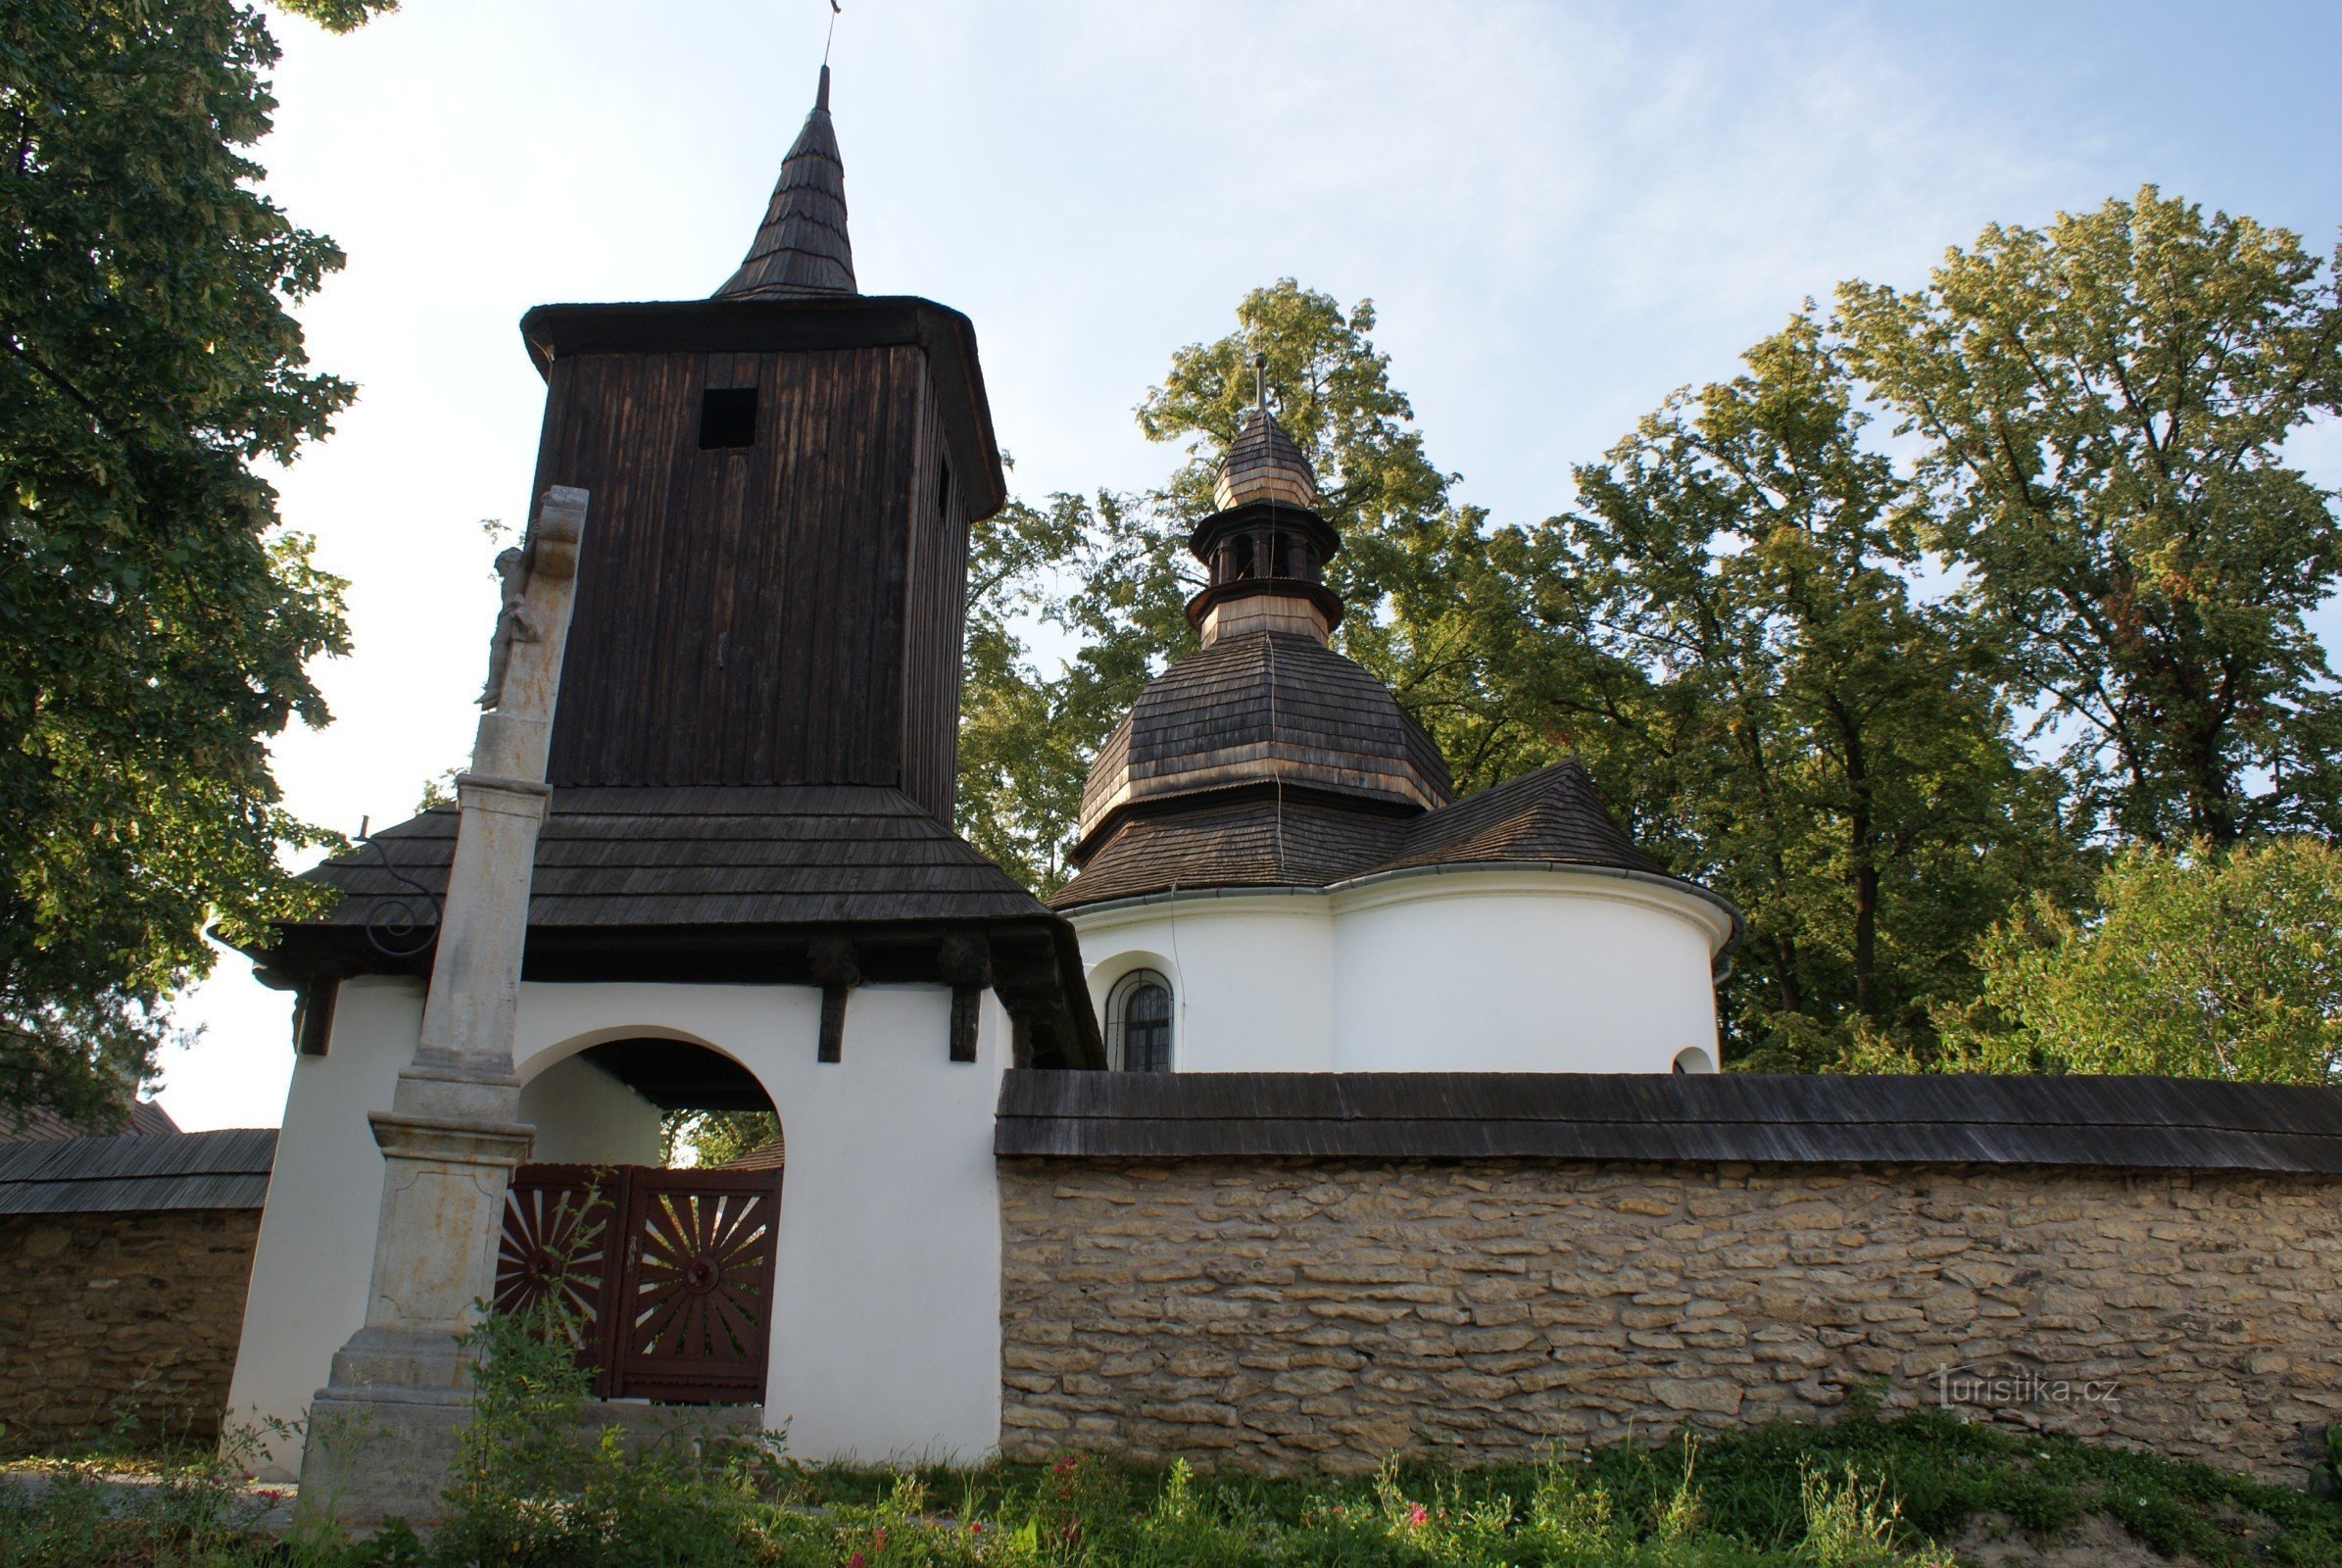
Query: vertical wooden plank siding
[935,628]
[782,612]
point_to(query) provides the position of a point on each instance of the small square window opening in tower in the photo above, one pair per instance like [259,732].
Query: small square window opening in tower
[727,417]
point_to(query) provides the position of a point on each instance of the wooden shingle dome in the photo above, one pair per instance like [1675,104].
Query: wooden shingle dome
[1268,759]
[1268,709]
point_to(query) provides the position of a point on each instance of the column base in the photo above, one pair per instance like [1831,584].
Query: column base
[377,1455]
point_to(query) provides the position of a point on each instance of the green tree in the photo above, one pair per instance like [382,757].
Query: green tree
[2196,961]
[156,620]
[715,1137]
[1725,629]
[2105,403]
[1023,747]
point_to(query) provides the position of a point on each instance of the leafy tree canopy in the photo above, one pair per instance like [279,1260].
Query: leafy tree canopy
[2105,403]
[2196,961]
[338,15]
[156,620]
[1725,630]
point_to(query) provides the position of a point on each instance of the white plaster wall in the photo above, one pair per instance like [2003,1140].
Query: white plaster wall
[887,1315]
[1250,975]
[886,1341]
[316,1253]
[1469,970]
[1520,972]
[584,1116]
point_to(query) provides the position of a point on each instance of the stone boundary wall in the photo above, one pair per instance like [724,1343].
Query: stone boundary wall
[1287,1313]
[108,1315]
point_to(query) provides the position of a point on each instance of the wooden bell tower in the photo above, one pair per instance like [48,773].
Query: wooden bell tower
[782,478]
[754,745]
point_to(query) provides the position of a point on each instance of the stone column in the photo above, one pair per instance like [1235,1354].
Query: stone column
[382,1430]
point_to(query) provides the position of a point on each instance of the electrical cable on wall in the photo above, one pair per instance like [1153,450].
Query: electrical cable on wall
[1260,393]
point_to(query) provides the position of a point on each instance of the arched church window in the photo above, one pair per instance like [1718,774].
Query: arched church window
[1693,1059]
[1139,1023]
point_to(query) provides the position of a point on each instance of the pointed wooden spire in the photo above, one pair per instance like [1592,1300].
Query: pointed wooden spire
[801,247]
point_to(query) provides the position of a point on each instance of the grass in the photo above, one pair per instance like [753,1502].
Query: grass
[1860,1492]
[1755,1487]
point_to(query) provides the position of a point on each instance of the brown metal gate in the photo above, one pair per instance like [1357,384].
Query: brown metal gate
[666,1275]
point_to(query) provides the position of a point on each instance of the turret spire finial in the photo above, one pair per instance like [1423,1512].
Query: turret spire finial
[1262,464]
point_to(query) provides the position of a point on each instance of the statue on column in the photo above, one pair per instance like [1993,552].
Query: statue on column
[453,1135]
[512,625]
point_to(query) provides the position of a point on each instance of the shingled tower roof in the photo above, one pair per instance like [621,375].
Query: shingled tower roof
[801,246]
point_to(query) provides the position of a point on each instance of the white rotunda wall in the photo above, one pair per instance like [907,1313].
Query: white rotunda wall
[1521,970]
[1249,974]
[1465,969]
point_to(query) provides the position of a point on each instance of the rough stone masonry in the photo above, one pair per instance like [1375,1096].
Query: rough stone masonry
[111,1318]
[1286,1313]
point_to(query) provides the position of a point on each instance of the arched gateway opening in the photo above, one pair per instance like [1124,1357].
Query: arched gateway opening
[661,1275]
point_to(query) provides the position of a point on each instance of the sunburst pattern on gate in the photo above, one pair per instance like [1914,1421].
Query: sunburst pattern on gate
[664,1275]
[699,1274]
[554,1248]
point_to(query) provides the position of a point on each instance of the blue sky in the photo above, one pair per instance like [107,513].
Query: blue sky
[1562,213]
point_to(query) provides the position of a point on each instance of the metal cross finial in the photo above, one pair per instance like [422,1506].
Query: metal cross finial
[1260,381]
[835,12]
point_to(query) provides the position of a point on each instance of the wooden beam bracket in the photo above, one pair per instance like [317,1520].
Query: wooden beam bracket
[965,960]
[838,971]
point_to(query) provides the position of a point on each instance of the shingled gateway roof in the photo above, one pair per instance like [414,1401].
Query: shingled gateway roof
[712,883]
[706,856]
